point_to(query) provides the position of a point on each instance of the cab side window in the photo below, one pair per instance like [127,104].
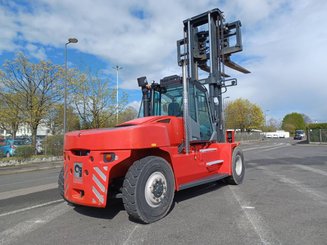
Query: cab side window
[204,121]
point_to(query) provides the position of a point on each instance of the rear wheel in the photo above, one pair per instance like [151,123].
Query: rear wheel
[61,183]
[148,189]
[238,167]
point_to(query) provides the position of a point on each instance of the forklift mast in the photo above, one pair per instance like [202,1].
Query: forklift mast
[206,47]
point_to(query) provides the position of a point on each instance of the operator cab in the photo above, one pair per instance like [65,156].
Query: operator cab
[166,99]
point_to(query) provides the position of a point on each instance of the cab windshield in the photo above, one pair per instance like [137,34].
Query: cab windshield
[168,102]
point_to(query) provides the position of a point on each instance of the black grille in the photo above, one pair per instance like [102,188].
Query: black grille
[81,152]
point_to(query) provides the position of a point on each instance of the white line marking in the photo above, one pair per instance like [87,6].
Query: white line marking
[130,235]
[25,170]
[314,170]
[32,207]
[10,235]
[316,195]
[260,227]
[273,148]
[25,191]
[138,234]
[262,147]
[32,180]
[248,207]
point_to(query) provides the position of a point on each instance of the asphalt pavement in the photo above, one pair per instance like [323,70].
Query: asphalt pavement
[283,200]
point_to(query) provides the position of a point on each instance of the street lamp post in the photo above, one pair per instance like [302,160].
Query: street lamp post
[225,98]
[117,68]
[223,105]
[70,40]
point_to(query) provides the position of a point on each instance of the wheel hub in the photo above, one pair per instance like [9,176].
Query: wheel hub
[239,166]
[158,189]
[155,189]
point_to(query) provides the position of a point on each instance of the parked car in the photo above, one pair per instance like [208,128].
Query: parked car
[7,147]
[19,142]
[26,140]
[39,146]
[299,134]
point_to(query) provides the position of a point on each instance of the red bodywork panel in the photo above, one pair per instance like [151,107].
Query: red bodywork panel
[88,176]
[135,134]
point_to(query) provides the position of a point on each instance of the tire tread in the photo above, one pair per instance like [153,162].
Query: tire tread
[129,188]
[61,182]
[232,180]
[133,178]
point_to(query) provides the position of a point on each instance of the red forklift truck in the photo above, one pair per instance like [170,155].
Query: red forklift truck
[178,140]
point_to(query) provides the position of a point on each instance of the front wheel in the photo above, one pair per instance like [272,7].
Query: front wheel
[148,189]
[238,167]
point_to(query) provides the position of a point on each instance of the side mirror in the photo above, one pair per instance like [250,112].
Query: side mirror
[142,81]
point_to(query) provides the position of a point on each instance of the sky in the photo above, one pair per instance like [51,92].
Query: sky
[284,44]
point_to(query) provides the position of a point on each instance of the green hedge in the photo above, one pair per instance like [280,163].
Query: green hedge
[24,151]
[53,145]
[317,126]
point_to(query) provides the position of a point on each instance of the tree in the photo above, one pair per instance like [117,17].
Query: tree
[55,120]
[307,119]
[38,86]
[242,114]
[10,115]
[128,114]
[93,100]
[292,122]
[272,125]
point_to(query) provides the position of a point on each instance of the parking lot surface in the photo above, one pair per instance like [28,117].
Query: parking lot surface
[283,200]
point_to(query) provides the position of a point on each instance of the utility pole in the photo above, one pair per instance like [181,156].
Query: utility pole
[117,68]
[266,117]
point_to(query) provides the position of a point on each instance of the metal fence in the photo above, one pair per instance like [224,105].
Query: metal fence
[317,135]
[248,136]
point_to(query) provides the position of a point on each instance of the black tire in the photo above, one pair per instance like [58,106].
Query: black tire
[61,183]
[238,167]
[148,189]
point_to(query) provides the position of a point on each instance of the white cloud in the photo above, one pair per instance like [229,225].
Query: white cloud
[135,104]
[8,31]
[289,75]
[284,42]
[35,51]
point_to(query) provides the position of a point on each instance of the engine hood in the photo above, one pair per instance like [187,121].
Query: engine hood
[148,132]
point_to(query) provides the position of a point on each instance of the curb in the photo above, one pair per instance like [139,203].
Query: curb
[30,166]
